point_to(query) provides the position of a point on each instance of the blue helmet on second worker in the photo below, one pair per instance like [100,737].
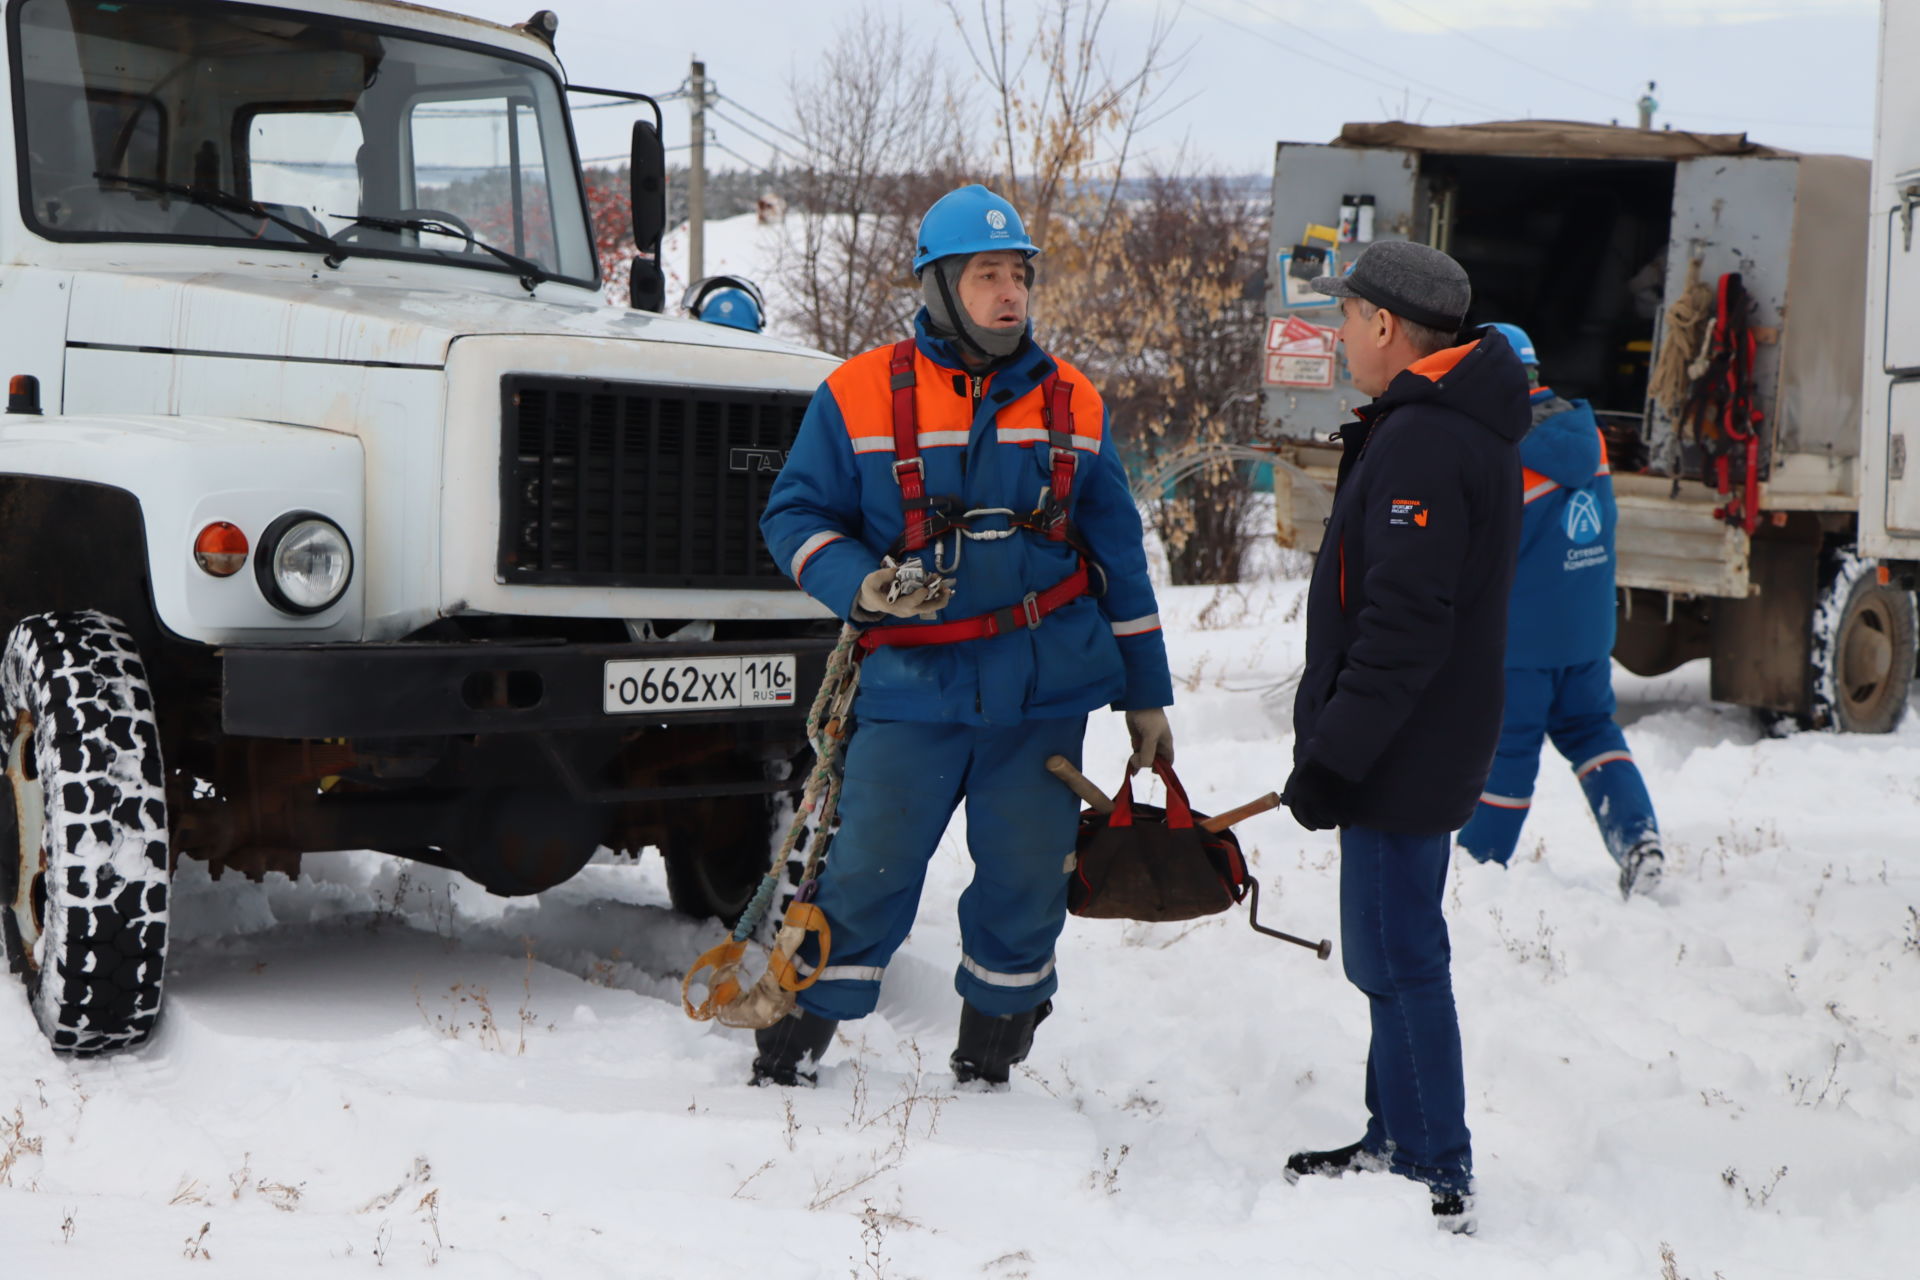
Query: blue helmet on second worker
[968,221]
[731,307]
[1517,339]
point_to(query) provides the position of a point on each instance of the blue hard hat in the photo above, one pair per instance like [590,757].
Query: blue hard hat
[1517,339]
[730,307]
[968,221]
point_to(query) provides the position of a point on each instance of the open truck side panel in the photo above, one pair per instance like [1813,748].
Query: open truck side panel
[1584,235]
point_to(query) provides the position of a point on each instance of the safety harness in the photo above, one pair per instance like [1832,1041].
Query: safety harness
[1721,411]
[926,520]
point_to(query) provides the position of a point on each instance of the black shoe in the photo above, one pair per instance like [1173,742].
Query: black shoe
[1331,1164]
[990,1045]
[789,1046]
[1453,1212]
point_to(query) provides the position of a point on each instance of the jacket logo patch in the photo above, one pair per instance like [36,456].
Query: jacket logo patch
[1583,519]
[1407,511]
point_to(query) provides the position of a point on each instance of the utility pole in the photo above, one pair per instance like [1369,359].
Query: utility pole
[697,176]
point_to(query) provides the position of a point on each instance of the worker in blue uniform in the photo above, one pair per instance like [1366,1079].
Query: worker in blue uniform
[1560,628]
[960,495]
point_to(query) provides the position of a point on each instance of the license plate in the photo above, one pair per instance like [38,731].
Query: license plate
[698,684]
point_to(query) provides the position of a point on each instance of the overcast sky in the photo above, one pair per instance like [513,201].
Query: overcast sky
[1792,73]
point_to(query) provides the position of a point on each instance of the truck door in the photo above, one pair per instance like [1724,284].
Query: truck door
[1308,394]
[1890,431]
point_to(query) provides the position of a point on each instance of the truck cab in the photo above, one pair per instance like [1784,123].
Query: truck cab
[337,508]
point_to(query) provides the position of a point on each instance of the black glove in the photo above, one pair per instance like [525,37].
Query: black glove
[1317,796]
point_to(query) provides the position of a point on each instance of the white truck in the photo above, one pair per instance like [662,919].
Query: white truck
[337,511]
[1739,538]
[1889,477]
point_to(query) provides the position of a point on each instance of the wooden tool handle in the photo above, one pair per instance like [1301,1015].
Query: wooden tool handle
[1062,768]
[1221,821]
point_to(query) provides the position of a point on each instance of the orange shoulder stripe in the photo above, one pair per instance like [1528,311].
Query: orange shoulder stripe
[1441,363]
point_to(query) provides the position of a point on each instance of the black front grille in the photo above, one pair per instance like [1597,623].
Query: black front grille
[633,485]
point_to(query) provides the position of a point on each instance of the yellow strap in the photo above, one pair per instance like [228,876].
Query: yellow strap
[723,986]
[805,918]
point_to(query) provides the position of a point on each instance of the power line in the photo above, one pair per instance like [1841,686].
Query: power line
[1372,67]
[779,129]
[1609,95]
[754,165]
[766,142]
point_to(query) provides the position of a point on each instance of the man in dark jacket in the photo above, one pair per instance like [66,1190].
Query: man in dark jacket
[1560,628]
[1398,709]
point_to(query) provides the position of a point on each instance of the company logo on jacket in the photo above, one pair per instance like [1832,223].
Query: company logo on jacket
[1583,519]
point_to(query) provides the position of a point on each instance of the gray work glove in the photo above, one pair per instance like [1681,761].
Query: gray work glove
[1152,736]
[879,596]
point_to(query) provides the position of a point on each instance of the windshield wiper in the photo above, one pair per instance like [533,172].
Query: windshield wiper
[531,273]
[233,202]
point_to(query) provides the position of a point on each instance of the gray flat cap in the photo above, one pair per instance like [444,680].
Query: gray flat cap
[1411,280]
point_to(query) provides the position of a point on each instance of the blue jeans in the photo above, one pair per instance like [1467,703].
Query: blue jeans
[1394,944]
[1574,707]
[904,778]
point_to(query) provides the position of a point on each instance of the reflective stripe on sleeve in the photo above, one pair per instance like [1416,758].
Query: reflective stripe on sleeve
[993,979]
[807,548]
[1605,757]
[1540,490]
[1506,802]
[1137,626]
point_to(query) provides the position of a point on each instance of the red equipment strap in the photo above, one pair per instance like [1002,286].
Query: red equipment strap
[1056,410]
[908,468]
[1036,605]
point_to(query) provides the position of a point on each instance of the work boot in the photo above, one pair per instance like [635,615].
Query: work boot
[790,1048]
[1331,1164]
[1641,869]
[1453,1211]
[990,1045]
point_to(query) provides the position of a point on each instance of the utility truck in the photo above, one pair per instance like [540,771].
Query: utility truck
[337,511]
[1737,467]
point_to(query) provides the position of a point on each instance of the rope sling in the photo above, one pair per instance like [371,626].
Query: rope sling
[728,1000]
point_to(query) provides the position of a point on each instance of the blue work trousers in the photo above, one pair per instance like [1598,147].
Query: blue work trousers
[1394,945]
[1574,707]
[904,779]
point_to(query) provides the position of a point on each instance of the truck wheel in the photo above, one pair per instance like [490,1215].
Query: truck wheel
[715,860]
[1863,648]
[83,832]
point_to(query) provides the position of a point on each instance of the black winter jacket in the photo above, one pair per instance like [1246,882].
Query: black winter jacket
[1407,611]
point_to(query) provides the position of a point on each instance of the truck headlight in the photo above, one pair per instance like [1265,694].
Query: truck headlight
[305,563]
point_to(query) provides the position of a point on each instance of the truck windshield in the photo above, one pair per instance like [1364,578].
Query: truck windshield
[315,120]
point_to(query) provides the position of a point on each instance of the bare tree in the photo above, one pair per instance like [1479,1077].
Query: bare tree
[884,129]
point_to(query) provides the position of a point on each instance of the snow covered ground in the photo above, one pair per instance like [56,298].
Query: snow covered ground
[379,1069]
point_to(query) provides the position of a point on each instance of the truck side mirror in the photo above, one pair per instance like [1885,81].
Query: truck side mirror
[648,173]
[647,285]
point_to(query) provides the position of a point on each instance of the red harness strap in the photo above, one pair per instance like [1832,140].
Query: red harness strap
[908,468]
[1036,605]
[1056,409]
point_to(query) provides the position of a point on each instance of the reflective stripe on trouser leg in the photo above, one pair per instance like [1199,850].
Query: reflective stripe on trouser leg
[1021,824]
[1493,832]
[1394,947]
[903,779]
[1585,732]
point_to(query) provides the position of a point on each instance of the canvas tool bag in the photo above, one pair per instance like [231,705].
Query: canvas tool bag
[1141,862]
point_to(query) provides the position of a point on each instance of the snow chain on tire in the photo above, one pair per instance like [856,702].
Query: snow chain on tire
[85,912]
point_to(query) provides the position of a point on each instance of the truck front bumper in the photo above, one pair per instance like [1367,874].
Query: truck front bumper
[407,689]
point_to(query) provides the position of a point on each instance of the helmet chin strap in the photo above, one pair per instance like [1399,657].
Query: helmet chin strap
[974,338]
[960,327]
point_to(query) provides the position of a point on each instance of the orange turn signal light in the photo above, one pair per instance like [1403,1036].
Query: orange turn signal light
[221,549]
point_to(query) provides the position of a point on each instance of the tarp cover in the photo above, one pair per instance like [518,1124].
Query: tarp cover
[1557,139]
